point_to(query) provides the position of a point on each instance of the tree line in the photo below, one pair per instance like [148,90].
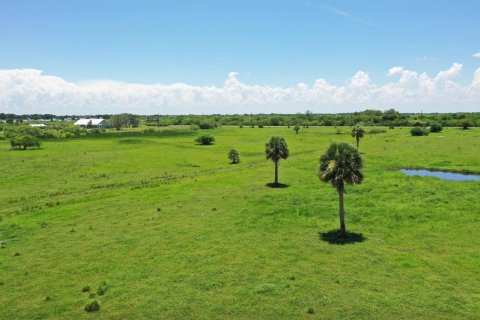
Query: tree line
[388,118]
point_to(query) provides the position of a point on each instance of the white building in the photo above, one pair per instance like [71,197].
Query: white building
[92,123]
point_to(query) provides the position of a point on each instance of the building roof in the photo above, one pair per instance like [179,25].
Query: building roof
[86,122]
[38,125]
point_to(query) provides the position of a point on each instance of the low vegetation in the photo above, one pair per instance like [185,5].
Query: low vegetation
[205,139]
[418,131]
[234,156]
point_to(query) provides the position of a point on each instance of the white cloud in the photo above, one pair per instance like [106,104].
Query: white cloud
[30,91]
[454,70]
[476,55]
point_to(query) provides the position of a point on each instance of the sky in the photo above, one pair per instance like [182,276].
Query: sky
[238,56]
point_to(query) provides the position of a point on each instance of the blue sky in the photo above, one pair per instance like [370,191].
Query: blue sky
[269,43]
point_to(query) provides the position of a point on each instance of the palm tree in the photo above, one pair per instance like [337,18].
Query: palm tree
[341,164]
[276,149]
[358,133]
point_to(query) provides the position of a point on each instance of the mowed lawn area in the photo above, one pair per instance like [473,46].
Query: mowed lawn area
[176,232]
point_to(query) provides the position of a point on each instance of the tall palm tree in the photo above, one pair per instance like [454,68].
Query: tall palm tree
[341,164]
[275,149]
[358,133]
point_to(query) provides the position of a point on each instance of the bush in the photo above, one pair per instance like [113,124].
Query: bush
[418,131]
[92,306]
[206,125]
[205,140]
[465,124]
[24,141]
[260,126]
[234,156]
[102,288]
[435,127]
[376,131]
[86,289]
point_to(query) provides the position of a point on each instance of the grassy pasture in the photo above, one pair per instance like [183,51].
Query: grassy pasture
[177,232]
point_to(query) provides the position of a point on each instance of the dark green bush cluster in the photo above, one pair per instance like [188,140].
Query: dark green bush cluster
[376,131]
[205,140]
[92,306]
[206,125]
[419,131]
[234,156]
[435,127]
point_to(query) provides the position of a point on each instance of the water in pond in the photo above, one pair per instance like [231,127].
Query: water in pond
[442,175]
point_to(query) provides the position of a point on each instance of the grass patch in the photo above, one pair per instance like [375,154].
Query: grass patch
[179,233]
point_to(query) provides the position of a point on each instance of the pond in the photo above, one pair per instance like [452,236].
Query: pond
[442,175]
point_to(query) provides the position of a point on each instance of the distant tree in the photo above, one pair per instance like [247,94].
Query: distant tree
[275,149]
[205,140]
[24,141]
[234,156]
[341,165]
[358,133]
[118,121]
[465,124]
[296,129]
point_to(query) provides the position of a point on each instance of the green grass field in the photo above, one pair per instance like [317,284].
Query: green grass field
[177,232]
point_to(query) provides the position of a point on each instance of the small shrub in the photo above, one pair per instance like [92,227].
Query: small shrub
[376,131]
[205,140]
[296,129]
[260,126]
[48,298]
[86,289]
[418,131]
[194,127]
[92,306]
[435,127]
[206,125]
[234,156]
[310,310]
[102,288]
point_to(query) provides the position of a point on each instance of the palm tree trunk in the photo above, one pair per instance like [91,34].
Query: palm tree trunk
[341,211]
[358,141]
[276,172]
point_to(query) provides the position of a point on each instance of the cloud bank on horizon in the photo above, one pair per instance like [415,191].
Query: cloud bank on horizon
[26,91]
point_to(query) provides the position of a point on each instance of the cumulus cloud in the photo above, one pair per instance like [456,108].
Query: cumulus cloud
[31,91]
[476,55]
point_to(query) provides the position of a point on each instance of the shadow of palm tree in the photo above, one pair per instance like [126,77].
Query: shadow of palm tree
[278,185]
[335,237]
